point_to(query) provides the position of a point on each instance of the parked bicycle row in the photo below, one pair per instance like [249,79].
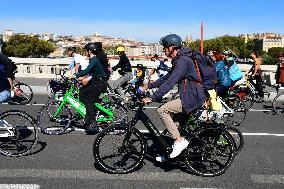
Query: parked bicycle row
[206,139]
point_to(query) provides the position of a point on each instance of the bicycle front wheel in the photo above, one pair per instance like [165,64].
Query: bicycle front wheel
[18,133]
[119,149]
[23,94]
[210,152]
[278,104]
[237,136]
[50,124]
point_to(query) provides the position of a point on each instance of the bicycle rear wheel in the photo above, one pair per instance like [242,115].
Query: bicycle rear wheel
[238,138]
[119,149]
[278,104]
[48,123]
[18,133]
[210,152]
[23,94]
[239,109]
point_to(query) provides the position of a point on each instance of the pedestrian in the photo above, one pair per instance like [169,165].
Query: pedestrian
[280,70]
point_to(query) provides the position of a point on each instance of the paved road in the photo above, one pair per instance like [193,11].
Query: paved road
[66,161]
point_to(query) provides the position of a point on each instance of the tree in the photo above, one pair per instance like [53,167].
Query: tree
[28,46]
[274,51]
[267,59]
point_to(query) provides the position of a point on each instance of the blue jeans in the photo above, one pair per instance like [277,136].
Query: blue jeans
[5,96]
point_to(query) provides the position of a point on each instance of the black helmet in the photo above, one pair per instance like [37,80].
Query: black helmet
[71,49]
[140,66]
[99,45]
[90,46]
[171,39]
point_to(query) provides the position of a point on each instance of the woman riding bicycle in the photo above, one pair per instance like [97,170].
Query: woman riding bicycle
[92,88]
[191,92]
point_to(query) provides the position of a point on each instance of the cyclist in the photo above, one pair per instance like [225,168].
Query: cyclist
[125,70]
[102,57]
[92,87]
[10,68]
[161,68]
[5,93]
[255,73]
[139,76]
[191,92]
[78,61]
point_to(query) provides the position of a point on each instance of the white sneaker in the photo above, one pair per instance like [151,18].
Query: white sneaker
[160,158]
[178,147]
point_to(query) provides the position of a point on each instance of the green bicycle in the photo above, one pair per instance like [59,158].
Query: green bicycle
[64,111]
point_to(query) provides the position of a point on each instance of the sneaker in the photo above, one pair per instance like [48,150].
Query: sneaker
[178,147]
[160,158]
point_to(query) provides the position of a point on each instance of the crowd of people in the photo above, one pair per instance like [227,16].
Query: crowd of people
[200,78]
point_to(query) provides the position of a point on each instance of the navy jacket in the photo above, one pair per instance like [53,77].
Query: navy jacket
[123,64]
[185,75]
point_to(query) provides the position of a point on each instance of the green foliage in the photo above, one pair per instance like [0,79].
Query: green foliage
[267,59]
[274,51]
[28,46]
[236,44]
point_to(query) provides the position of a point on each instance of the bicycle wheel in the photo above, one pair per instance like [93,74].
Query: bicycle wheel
[120,114]
[210,152]
[23,94]
[119,149]
[18,133]
[278,104]
[53,125]
[238,138]
[246,97]
[239,109]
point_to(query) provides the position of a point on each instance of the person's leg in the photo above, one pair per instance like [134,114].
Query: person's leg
[164,111]
[5,96]
[259,85]
[120,81]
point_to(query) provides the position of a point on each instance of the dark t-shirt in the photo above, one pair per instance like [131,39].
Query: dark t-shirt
[4,83]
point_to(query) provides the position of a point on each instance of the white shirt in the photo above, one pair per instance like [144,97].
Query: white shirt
[78,59]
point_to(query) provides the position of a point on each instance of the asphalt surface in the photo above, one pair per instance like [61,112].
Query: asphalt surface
[66,161]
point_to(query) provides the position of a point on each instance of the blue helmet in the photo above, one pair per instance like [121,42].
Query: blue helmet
[170,40]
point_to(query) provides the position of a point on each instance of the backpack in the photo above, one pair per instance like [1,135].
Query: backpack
[235,72]
[205,69]
[9,65]
[223,76]
[102,57]
[162,69]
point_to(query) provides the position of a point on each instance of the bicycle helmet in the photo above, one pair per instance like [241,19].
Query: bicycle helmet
[140,66]
[90,46]
[170,40]
[120,49]
[71,49]
[99,45]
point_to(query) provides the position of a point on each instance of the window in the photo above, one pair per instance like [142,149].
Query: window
[28,69]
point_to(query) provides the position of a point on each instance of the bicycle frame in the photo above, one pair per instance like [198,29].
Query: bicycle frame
[6,126]
[80,108]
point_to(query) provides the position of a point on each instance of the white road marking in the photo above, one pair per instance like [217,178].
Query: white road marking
[268,179]
[19,186]
[97,175]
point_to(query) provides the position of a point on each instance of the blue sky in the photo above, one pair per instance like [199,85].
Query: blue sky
[144,20]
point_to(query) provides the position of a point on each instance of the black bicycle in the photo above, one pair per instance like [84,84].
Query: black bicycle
[122,148]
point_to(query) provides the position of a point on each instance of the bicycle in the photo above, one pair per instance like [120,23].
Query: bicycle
[23,93]
[248,93]
[278,104]
[121,148]
[18,133]
[61,110]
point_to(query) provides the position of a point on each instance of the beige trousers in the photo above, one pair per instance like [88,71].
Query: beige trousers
[164,112]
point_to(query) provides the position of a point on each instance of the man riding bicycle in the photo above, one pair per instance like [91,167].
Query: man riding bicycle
[191,92]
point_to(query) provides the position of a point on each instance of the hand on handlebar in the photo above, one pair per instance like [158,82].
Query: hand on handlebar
[146,100]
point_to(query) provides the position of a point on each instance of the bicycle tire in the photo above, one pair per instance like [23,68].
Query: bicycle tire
[51,125]
[112,145]
[278,104]
[237,135]
[202,148]
[24,96]
[239,114]
[24,137]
